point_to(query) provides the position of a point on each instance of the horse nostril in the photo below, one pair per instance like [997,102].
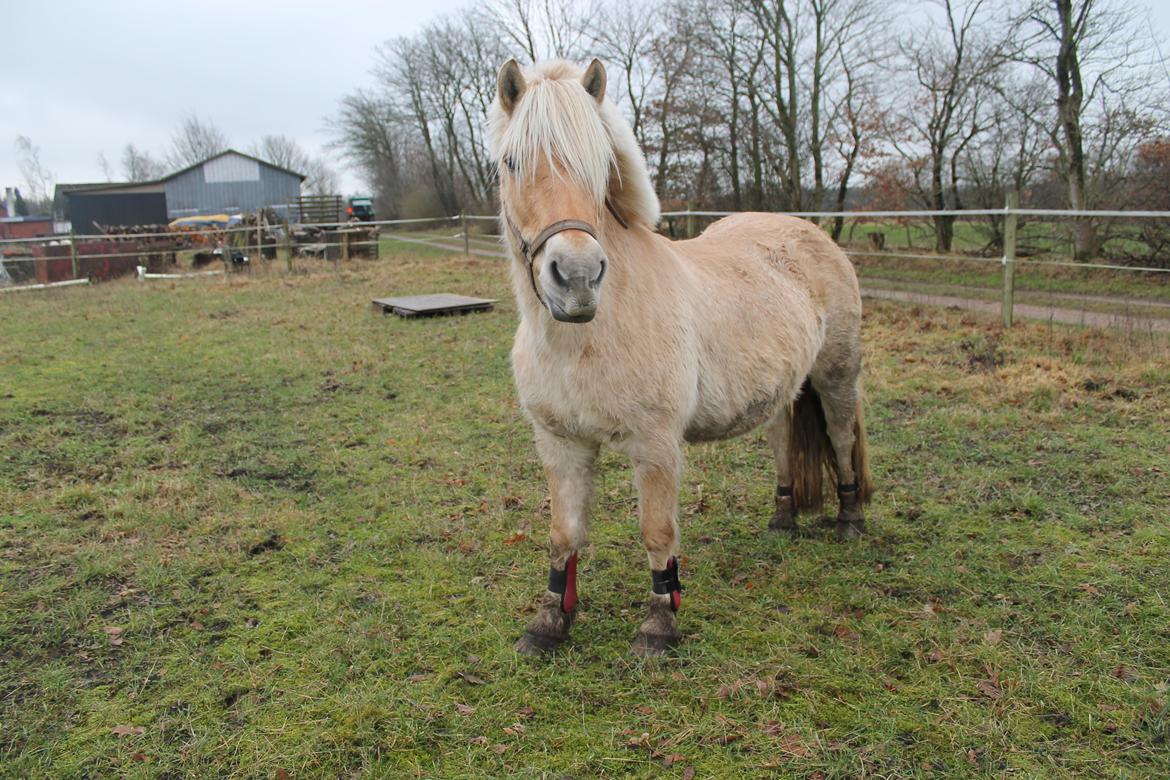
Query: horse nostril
[557,276]
[600,275]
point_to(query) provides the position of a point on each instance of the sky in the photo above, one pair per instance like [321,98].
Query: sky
[84,78]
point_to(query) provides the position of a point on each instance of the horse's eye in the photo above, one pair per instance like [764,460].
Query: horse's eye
[508,161]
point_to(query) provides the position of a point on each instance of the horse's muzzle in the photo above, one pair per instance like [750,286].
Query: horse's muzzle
[572,281]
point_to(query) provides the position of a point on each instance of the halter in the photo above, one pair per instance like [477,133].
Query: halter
[529,250]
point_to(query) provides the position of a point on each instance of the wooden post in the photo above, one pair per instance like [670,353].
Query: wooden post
[1009,257]
[288,246]
[690,222]
[259,236]
[466,237]
[73,254]
[345,234]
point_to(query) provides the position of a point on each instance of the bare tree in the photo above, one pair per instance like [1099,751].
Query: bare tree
[285,152]
[139,165]
[1097,60]
[951,70]
[371,136]
[37,176]
[104,164]
[194,142]
[623,34]
[543,29]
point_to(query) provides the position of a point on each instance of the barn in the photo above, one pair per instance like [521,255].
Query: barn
[230,182]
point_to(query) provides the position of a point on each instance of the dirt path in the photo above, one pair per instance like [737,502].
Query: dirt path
[995,292]
[1095,319]
[1025,310]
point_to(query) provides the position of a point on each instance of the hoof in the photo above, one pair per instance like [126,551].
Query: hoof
[783,521]
[784,518]
[653,645]
[548,628]
[537,644]
[848,531]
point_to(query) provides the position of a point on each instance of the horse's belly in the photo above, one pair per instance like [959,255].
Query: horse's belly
[715,424]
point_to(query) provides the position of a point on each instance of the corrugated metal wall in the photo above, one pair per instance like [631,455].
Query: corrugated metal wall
[229,184]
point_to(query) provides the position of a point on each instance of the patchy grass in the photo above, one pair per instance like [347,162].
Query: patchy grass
[252,529]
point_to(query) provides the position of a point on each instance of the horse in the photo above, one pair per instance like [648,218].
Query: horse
[631,340]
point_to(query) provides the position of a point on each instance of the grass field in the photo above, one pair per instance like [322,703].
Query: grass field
[252,529]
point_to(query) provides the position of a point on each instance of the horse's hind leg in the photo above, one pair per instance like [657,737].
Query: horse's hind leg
[779,430]
[657,478]
[839,400]
[569,466]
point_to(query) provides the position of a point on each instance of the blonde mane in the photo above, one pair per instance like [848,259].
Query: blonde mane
[593,143]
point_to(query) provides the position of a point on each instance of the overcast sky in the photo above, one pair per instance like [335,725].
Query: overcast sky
[83,78]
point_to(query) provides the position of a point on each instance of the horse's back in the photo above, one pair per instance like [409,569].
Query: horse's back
[795,248]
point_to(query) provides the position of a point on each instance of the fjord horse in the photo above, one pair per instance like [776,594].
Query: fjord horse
[634,341]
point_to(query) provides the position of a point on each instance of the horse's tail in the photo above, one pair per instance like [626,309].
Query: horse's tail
[810,452]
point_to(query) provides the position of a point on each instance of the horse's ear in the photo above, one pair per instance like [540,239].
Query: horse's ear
[594,80]
[510,83]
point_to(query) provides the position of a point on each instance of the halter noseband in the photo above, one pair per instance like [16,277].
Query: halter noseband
[529,250]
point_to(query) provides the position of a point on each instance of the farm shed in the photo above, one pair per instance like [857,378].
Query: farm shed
[229,183]
[89,205]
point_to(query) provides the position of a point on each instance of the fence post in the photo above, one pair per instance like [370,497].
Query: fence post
[1009,256]
[288,245]
[690,222]
[73,254]
[466,237]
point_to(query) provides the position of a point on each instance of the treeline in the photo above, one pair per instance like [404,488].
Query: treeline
[797,104]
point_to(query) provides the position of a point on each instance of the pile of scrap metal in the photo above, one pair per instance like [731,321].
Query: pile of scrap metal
[342,242]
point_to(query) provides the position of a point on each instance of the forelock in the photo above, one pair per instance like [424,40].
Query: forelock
[557,119]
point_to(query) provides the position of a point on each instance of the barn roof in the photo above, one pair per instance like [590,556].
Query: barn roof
[226,152]
[65,189]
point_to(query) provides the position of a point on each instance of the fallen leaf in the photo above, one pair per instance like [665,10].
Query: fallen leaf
[1089,588]
[792,745]
[471,679]
[419,677]
[773,728]
[688,773]
[646,710]
[733,736]
[515,730]
[282,774]
[115,635]
[989,689]
[672,759]
[128,731]
[464,709]
[480,740]
[844,632]
[737,579]
[1123,672]
[525,712]
[993,637]
[515,538]
[500,748]
[196,625]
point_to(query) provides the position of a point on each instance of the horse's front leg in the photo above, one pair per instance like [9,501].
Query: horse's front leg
[569,467]
[657,480]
